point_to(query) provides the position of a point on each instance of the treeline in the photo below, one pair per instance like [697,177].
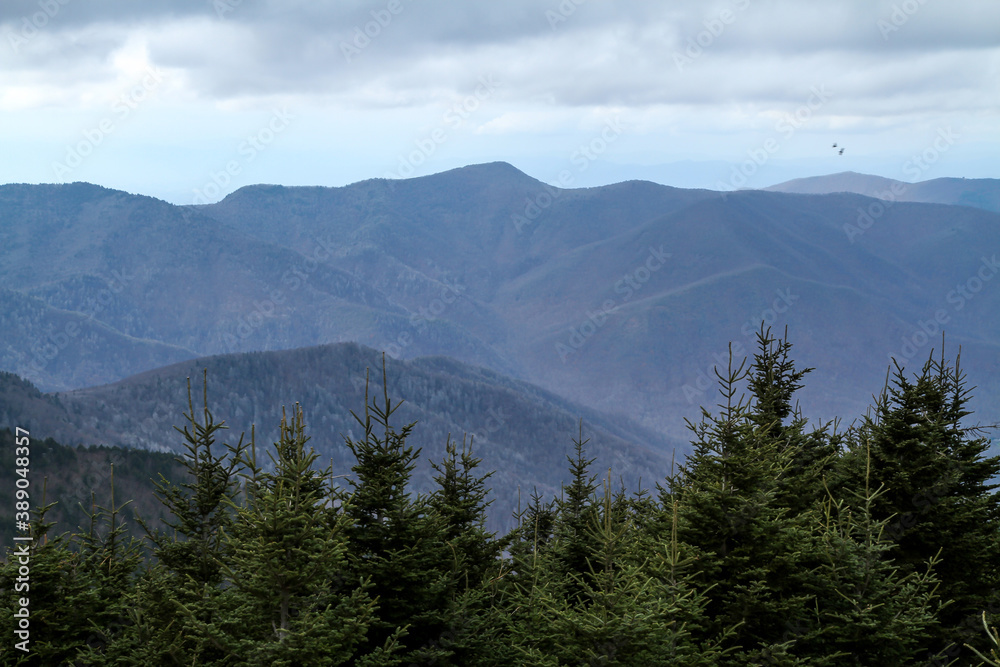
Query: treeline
[79,478]
[774,543]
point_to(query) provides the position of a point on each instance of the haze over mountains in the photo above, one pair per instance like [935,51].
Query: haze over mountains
[620,297]
[521,432]
[981,193]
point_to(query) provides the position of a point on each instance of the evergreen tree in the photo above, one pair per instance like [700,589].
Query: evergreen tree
[575,514]
[626,607]
[868,611]
[177,596]
[292,601]
[939,500]
[994,637]
[754,553]
[201,507]
[60,595]
[108,559]
[772,381]
[397,542]
[460,502]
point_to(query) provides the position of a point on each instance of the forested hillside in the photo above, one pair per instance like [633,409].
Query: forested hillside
[77,479]
[621,298]
[521,431]
[776,542]
[981,193]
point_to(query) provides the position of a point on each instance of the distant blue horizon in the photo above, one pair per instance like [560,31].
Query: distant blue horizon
[189,100]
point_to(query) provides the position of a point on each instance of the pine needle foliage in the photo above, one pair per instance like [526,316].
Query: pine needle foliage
[773,543]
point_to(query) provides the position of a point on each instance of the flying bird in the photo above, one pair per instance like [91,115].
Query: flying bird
[841,152]
[835,145]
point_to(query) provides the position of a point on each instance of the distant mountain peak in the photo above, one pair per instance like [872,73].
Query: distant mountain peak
[844,181]
[983,193]
[486,172]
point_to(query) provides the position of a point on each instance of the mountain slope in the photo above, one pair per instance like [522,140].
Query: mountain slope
[620,297]
[521,431]
[981,193]
[146,269]
[64,349]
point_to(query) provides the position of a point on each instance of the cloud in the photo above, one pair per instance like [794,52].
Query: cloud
[416,53]
[687,76]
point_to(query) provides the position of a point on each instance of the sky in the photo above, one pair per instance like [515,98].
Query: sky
[188,100]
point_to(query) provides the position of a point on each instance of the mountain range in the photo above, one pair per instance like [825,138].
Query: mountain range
[981,193]
[522,433]
[621,298]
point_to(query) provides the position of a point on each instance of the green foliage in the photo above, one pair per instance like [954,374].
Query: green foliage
[866,608]
[179,594]
[398,543]
[994,658]
[57,587]
[773,544]
[73,476]
[938,499]
[460,502]
[292,601]
[754,551]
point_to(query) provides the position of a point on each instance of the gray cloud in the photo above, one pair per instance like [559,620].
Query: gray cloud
[624,54]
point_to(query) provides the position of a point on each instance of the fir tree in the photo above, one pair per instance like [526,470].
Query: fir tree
[939,500]
[108,559]
[178,595]
[754,553]
[867,610]
[397,542]
[292,601]
[994,638]
[575,515]
[772,381]
[201,507]
[625,607]
[60,595]
[460,503]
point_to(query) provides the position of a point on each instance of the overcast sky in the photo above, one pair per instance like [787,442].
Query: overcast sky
[188,100]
